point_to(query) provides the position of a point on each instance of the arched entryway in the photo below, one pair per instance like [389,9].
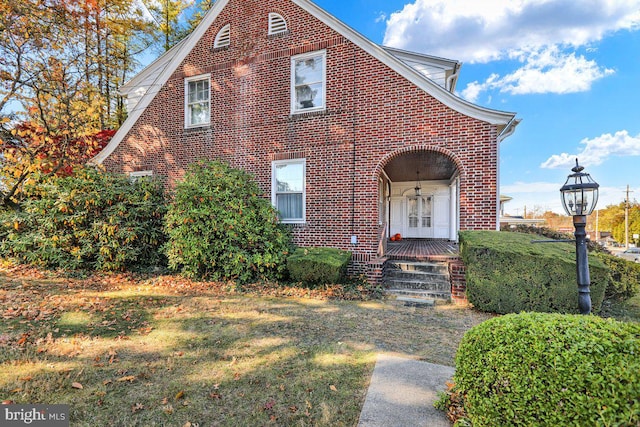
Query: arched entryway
[419,195]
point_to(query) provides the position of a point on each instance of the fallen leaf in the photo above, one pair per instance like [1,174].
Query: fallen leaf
[333,388]
[23,339]
[7,402]
[106,382]
[215,395]
[180,394]
[137,407]
[77,385]
[165,401]
[29,378]
[129,378]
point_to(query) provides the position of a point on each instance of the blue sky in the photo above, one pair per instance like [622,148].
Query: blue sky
[570,69]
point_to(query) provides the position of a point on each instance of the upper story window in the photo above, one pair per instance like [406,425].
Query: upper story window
[277,24]
[288,189]
[197,108]
[223,38]
[308,82]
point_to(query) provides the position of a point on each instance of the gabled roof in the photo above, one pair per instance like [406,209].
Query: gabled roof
[161,70]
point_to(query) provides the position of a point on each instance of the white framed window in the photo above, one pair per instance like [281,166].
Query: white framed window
[308,82]
[223,38]
[277,24]
[288,192]
[197,101]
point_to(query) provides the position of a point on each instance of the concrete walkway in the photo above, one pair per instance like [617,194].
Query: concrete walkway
[402,393]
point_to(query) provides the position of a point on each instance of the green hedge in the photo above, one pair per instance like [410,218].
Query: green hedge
[506,273]
[539,369]
[625,277]
[314,266]
[90,220]
[221,228]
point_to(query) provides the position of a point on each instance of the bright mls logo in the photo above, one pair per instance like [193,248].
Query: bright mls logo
[34,415]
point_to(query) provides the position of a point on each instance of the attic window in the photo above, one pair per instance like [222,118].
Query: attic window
[223,38]
[277,24]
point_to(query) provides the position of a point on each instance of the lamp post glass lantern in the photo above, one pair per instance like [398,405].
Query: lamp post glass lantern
[579,199]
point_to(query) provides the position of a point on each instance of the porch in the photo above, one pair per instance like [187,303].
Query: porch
[422,250]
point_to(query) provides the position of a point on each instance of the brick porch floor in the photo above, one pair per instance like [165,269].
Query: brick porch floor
[422,250]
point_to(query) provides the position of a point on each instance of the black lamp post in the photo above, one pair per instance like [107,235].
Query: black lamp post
[579,199]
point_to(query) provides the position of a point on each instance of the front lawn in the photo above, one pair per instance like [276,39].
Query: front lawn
[134,351]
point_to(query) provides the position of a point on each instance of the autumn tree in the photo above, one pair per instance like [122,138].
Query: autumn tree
[168,16]
[619,227]
[202,7]
[61,64]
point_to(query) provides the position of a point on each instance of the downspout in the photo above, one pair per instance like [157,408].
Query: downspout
[456,71]
[508,130]
[354,157]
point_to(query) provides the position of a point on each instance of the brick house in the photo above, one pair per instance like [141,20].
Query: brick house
[352,141]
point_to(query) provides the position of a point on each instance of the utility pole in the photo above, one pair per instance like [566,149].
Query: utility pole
[626,219]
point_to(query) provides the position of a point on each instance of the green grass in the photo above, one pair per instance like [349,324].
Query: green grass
[128,351]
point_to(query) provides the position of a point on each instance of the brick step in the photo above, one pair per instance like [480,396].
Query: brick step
[436,296]
[439,286]
[427,267]
[416,276]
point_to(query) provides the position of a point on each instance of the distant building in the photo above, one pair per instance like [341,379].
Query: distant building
[509,220]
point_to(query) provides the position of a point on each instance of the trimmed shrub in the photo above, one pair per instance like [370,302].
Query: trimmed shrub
[220,228]
[313,266]
[625,277]
[506,273]
[550,370]
[89,220]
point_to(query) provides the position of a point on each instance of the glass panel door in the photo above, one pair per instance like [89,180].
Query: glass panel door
[419,216]
[412,210]
[426,211]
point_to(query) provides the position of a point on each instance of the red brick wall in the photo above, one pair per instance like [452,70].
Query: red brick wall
[373,115]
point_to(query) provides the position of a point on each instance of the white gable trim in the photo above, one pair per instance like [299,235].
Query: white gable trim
[495,117]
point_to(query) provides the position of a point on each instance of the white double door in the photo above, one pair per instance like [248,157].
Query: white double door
[427,216]
[419,217]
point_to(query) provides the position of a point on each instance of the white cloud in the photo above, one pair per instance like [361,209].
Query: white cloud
[542,35]
[381,17]
[597,150]
[544,71]
[479,31]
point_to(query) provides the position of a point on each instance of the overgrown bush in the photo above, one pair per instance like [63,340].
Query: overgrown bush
[625,277]
[538,369]
[507,273]
[313,266]
[220,228]
[89,220]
